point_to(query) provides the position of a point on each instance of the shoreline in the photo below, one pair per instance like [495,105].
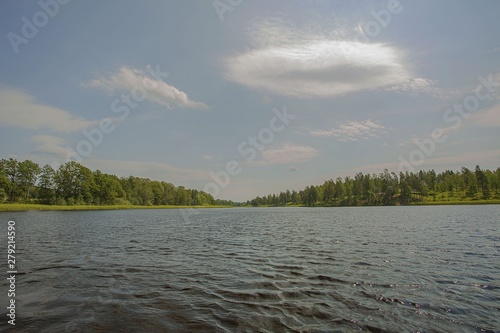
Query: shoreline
[41,207]
[453,203]
[425,203]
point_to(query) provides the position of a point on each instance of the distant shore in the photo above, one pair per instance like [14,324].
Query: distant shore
[27,207]
[458,202]
[423,203]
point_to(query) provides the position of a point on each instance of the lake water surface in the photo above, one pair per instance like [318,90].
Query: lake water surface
[373,269]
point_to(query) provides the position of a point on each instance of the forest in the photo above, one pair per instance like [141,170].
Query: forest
[388,188]
[75,184]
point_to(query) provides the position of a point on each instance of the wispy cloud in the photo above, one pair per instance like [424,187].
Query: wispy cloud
[487,118]
[352,131]
[158,91]
[417,86]
[287,62]
[288,153]
[19,109]
[47,144]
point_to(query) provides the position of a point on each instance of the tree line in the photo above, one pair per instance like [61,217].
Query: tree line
[74,184]
[388,188]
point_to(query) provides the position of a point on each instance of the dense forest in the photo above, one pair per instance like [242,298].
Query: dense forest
[74,184]
[388,188]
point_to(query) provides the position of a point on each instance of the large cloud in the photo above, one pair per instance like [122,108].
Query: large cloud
[319,68]
[158,91]
[303,64]
[18,109]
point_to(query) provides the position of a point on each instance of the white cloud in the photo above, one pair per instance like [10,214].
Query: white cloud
[289,62]
[18,109]
[416,86]
[352,131]
[288,153]
[207,157]
[319,68]
[48,144]
[158,91]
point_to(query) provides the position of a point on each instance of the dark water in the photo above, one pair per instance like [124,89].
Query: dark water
[380,269]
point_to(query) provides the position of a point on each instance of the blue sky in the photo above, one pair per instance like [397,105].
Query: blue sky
[175,90]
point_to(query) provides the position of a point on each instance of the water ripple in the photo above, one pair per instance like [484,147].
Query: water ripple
[379,269]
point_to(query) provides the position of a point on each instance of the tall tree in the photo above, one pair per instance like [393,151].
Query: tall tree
[74,183]
[46,183]
[27,176]
[482,182]
[107,189]
[10,178]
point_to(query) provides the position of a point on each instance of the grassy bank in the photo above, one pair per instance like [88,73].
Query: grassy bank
[421,203]
[457,202]
[25,207]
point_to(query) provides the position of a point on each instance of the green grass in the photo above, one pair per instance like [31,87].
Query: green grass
[458,202]
[458,198]
[16,207]
[19,207]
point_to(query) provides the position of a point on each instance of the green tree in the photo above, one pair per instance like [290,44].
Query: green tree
[312,196]
[389,188]
[27,176]
[470,183]
[482,182]
[329,193]
[46,184]
[107,189]
[182,196]
[10,178]
[406,191]
[75,183]
[338,193]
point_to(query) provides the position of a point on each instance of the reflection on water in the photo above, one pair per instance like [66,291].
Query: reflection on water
[377,269]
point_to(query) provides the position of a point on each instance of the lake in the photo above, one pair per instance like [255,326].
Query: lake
[373,269]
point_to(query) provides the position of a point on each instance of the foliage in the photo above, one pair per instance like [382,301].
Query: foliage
[74,184]
[387,188]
